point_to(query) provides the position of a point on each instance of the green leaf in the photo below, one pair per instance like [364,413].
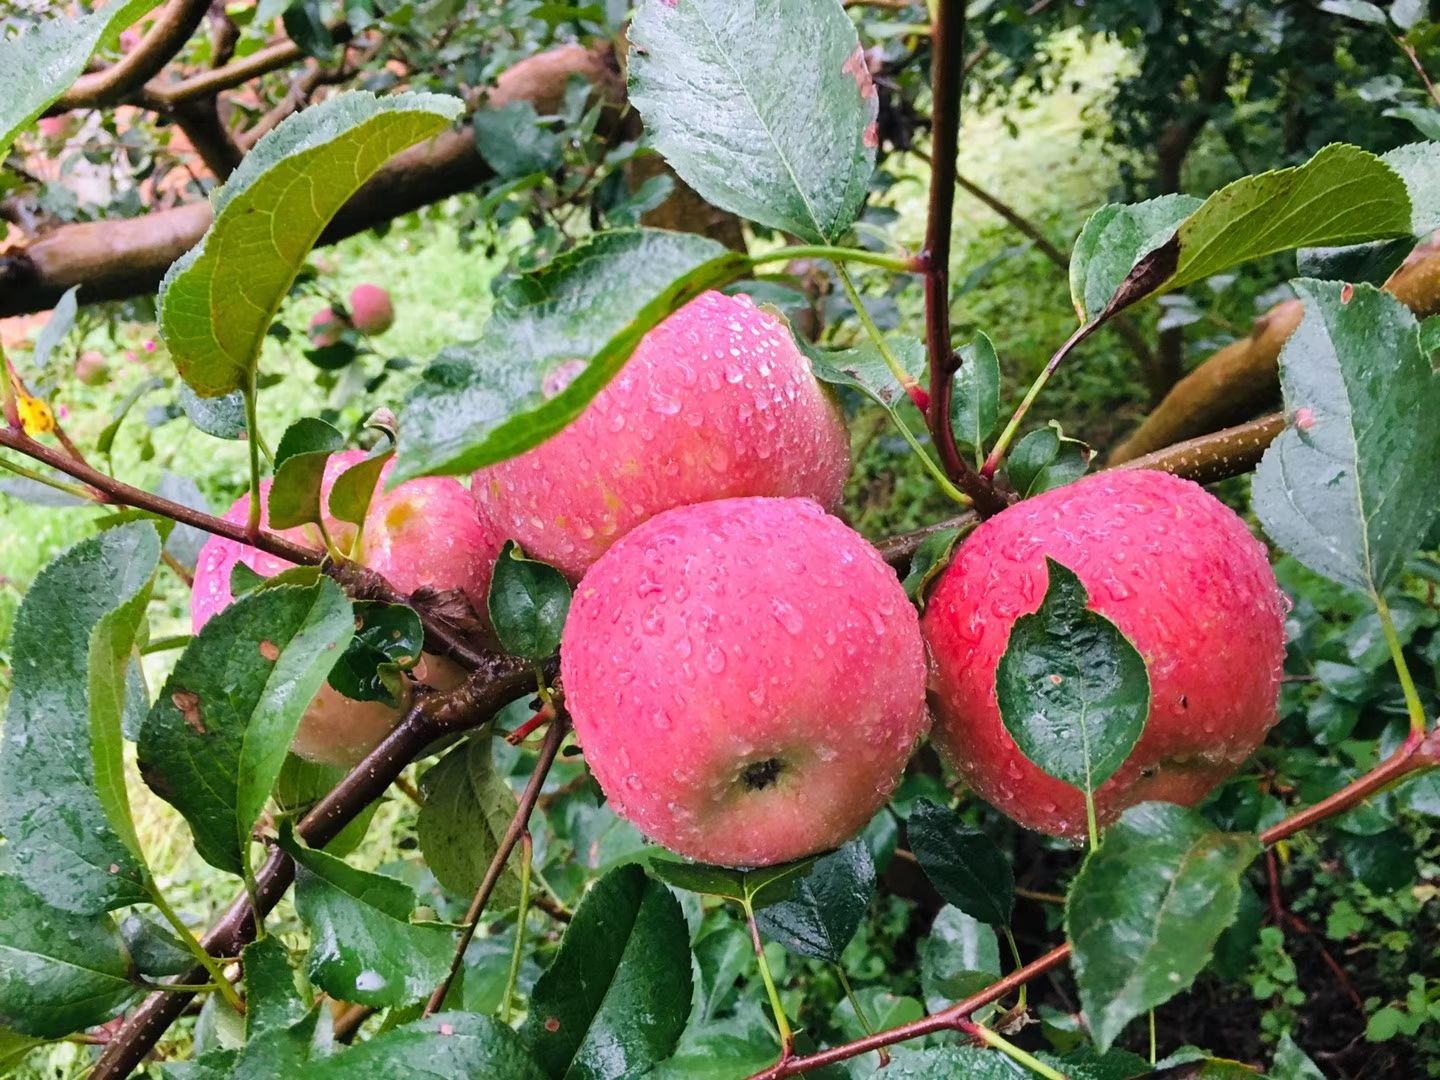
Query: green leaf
[950,1063]
[964,865]
[931,557]
[218,300]
[772,119]
[1343,195]
[1073,691]
[14,1049]
[975,404]
[446,1046]
[466,811]
[1373,262]
[222,417]
[300,462]
[960,957]
[514,142]
[388,639]
[528,603]
[272,1001]
[364,947]
[60,323]
[764,885]
[154,950]
[217,736]
[1423,118]
[275,1052]
[1045,459]
[63,807]
[1146,910]
[1359,10]
[825,906]
[59,972]
[38,66]
[615,999]
[354,489]
[1083,1063]
[1292,1063]
[557,336]
[863,368]
[1337,488]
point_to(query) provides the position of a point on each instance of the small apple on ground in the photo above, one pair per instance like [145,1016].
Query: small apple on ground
[1184,580]
[423,533]
[91,368]
[371,310]
[747,679]
[326,327]
[716,402]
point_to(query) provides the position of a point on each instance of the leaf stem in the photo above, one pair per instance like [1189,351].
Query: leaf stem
[1407,684]
[900,264]
[1015,955]
[38,477]
[165,644]
[527,854]
[787,1037]
[1152,1037]
[252,437]
[1092,829]
[998,1042]
[208,962]
[865,1024]
[1002,444]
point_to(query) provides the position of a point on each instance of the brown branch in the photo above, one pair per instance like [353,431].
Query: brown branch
[519,822]
[478,698]
[167,35]
[201,123]
[948,38]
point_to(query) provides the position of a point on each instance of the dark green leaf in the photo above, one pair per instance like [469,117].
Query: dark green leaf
[930,558]
[446,1046]
[1113,240]
[156,952]
[615,999]
[272,1001]
[1083,1063]
[466,811]
[1073,691]
[217,736]
[513,141]
[63,807]
[1045,459]
[1336,488]
[825,906]
[58,972]
[300,462]
[388,638]
[364,948]
[960,957]
[975,406]
[528,604]
[1146,910]
[1372,262]
[306,27]
[963,864]
[950,1063]
[1383,862]
[218,300]
[766,885]
[772,119]
[556,338]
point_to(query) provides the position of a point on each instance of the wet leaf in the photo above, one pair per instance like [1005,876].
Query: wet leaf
[965,866]
[466,811]
[765,885]
[959,957]
[300,461]
[950,1063]
[155,951]
[272,1001]
[388,639]
[529,601]
[825,906]
[930,558]
[1045,459]
[446,1046]
[975,404]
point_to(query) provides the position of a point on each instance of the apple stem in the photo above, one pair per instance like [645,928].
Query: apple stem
[527,853]
[787,1037]
[1402,669]
[995,1040]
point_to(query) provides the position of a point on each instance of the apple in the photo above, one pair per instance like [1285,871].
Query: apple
[423,533]
[1181,577]
[371,310]
[91,369]
[326,327]
[716,402]
[747,679]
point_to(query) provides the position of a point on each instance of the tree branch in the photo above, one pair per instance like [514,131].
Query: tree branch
[948,38]
[167,35]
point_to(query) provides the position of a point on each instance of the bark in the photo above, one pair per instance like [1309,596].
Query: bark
[116,259]
[1242,379]
[167,35]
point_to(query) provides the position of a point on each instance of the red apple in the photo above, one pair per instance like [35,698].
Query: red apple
[326,327]
[371,310]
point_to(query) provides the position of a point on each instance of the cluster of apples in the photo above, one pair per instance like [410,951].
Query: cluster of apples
[745,673]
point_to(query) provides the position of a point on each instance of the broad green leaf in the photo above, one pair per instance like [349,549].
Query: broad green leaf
[960,957]
[615,999]
[765,885]
[59,972]
[223,417]
[1045,459]
[60,323]
[1338,488]
[1083,1063]
[964,865]
[556,337]
[354,489]
[1146,910]
[528,603]
[218,300]
[63,806]
[1073,691]
[930,558]
[300,461]
[364,947]
[14,1049]
[1292,1063]
[975,404]
[1424,118]
[951,1063]
[272,1001]
[1359,10]
[38,66]
[155,951]
[1343,195]
[279,1051]
[217,736]
[388,639]
[514,142]
[466,811]
[1373,262]
[301,784]
[825,906]
[863,368]
[446,1046]
[772,118]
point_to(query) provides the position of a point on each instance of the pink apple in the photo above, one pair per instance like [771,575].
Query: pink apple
[91,368]
[326,327]
[716,402]
[747,679]
[371,310]
[422,533]
[1184,580]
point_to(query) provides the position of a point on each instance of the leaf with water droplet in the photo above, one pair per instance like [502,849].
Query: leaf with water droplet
[300,461]
[825,905]
[930,558]
[529,601]
[1045,459]
[446,1046]
[965,865]
[959,957]
[467,808]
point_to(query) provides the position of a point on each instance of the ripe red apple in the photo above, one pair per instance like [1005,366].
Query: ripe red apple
[716,402]
[326,327]
[370,309]
[747,679]
[91,369]
[422,533]
[1183,579]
